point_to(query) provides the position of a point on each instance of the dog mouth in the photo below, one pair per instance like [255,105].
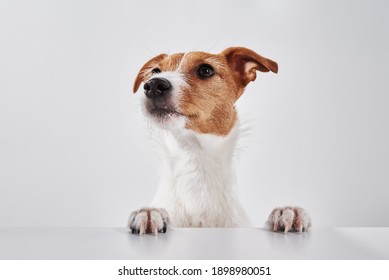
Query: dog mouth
[163,111]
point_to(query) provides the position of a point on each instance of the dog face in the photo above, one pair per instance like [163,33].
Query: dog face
[199,89]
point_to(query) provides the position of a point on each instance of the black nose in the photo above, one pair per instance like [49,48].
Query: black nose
[156,87]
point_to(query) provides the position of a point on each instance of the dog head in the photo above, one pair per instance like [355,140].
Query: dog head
[199,89]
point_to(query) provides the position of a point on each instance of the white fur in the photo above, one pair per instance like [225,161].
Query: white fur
[198,184]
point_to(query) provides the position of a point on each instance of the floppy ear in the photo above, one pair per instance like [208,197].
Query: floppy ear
[246,62]
[148,66]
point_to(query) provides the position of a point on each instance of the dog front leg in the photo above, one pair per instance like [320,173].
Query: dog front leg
[289,219]
[148,220]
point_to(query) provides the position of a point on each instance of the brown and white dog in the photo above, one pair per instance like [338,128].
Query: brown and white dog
[191,97]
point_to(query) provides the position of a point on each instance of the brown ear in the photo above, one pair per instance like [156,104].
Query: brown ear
[246,62]
[148,66]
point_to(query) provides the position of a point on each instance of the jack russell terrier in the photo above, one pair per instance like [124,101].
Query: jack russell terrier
[191,97]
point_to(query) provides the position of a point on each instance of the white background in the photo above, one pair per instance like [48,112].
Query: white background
[75,149]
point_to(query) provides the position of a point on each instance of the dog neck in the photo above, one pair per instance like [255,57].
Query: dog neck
[210,154]
[197,186]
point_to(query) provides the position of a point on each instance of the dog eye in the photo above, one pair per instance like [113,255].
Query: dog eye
[155,71]
[205,71]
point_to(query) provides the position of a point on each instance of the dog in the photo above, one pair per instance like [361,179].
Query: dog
[190,97]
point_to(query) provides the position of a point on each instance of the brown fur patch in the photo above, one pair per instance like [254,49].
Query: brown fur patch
[145,71]
[208,103]
[171,62]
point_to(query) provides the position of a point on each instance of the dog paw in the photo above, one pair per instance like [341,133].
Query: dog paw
[289,219]
[148,220]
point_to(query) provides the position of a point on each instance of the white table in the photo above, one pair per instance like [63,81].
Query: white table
[205,243]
